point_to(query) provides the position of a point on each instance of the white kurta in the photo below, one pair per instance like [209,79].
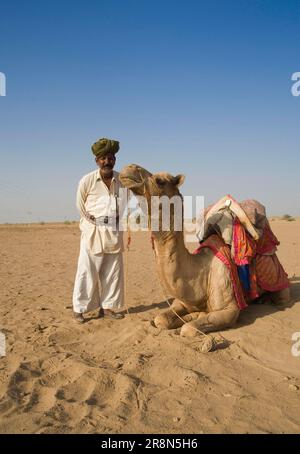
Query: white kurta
[99,279]
[94,198]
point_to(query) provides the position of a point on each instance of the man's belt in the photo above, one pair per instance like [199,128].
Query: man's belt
[107,221]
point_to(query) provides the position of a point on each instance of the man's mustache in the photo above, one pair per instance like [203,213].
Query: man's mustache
[107,166]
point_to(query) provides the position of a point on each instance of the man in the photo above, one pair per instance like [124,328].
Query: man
[100,258]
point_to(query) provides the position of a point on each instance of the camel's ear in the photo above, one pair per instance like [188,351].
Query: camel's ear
[178,180]
[159,181]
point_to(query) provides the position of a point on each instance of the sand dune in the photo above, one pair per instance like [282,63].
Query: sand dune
[126,375]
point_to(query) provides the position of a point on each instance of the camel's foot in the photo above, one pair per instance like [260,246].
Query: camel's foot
[282,297]
[212,321]
[192,328]
[168,319]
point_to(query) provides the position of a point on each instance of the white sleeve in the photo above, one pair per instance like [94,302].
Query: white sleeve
[81,198]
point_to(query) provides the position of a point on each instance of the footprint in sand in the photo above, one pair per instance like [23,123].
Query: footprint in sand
[125,398]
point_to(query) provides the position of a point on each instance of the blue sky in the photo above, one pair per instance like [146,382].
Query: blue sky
[195,87]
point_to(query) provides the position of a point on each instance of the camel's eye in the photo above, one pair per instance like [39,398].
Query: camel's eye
[159,181]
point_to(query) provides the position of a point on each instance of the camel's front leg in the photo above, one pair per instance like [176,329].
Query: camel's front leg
[211,321]
[168,319]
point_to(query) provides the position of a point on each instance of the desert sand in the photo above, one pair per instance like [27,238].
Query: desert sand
[126,376]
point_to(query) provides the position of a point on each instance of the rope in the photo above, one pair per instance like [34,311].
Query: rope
[126,253]
[209,338]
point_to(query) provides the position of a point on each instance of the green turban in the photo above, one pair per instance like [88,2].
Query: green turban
[104,146]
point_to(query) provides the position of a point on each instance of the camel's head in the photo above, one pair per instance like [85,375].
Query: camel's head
[142,182]
[135,178]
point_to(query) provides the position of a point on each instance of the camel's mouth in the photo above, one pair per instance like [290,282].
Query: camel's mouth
[134,177]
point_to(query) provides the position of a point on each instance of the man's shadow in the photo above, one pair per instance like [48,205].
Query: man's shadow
[143,308]
[133,310]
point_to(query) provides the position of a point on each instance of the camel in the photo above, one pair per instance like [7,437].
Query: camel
[200,284]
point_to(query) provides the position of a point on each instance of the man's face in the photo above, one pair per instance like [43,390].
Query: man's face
[106,164]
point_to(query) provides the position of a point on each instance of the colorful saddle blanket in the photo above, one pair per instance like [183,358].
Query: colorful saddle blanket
[252,265]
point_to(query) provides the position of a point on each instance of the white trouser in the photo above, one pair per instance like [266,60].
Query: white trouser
[92,270]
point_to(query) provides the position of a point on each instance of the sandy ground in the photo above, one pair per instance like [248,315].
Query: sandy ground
[126,375]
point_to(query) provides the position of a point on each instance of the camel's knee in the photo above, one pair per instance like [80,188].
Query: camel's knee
[232,316]
[225,318]
[167,320]
[212,321]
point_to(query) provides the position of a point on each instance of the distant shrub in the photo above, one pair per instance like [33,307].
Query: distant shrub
[67,222]
[42,223]
[288,217]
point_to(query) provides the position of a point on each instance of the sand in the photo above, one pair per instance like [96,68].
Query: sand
[126,376]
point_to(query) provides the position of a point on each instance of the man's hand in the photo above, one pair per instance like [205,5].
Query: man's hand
[91,218]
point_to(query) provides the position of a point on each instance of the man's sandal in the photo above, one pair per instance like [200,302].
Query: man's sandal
[78,317]
[111,314]
[100,313]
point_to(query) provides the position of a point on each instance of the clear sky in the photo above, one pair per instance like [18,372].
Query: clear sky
[195,87]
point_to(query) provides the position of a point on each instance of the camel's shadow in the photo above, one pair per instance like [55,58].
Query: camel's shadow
[254,311]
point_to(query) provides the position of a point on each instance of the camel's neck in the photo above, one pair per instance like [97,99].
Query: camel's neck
[170,245]
[179,271]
